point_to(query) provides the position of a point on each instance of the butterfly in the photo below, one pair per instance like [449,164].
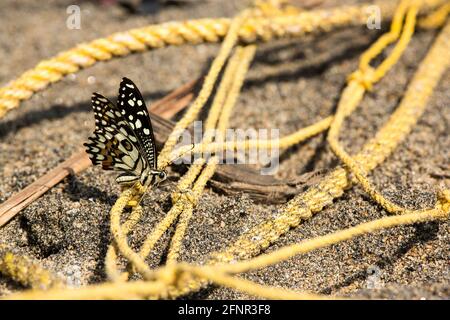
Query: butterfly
[123,138]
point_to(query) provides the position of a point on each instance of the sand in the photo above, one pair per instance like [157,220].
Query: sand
[292,83]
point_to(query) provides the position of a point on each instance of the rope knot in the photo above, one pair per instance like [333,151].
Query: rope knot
[366,78]
[185,195]
[444,201]
[169,274]
[174,275]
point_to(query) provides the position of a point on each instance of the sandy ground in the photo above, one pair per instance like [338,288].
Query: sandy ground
[291,84]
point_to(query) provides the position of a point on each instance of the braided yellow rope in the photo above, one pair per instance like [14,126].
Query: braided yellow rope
[177,33]
[233,84]
[372,154]
[172,273]
[183,206]
[177,278]
[192,112]
[365,75]
[333,185]
[111,255]
[368,79]
[25,271]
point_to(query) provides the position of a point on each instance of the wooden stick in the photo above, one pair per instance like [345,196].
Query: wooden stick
[234,179]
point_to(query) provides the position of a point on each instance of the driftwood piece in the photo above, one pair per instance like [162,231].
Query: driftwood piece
[239,178]
[76,163]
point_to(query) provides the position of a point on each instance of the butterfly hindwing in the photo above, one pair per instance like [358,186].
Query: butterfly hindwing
[132,108]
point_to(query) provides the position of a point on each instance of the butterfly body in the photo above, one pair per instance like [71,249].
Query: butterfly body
[123,138]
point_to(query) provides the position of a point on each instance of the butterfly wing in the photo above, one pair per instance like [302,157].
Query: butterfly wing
[114,145]
[133,109]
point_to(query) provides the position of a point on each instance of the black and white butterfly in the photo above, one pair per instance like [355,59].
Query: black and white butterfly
[123,138]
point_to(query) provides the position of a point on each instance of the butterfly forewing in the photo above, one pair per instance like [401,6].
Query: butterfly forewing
[132,108]
[114,145]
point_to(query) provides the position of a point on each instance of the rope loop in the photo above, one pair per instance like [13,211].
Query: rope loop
[185,195]
[365,78]
[443,202]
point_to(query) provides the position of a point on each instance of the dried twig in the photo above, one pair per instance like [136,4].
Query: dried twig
[235,179]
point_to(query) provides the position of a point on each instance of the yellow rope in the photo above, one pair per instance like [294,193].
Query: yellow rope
[111,255]
[233,85]
[333,185]
[137,259]
[218,273]
[185,208]
[436,18]
[175,278]
[366,75]
[252,288]
[115,290]
[372,154]
[192,112]
[25,271]
[120,239]
[368,79]
[305,246]
[186,181]
[177,33]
